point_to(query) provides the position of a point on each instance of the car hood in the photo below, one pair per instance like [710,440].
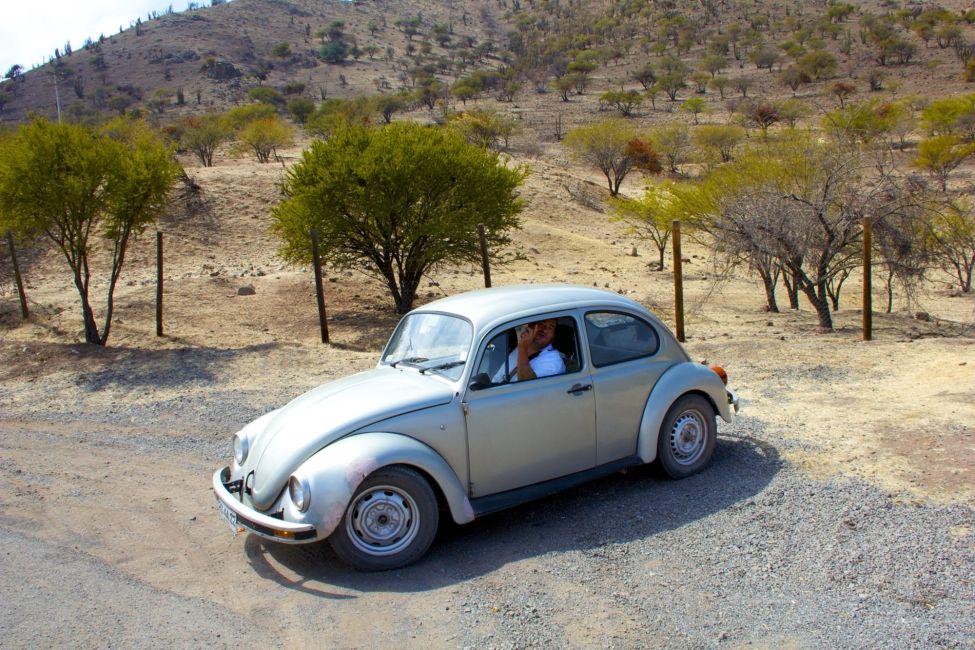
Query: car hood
[282,440]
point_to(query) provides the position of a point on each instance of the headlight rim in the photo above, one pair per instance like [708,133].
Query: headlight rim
[241,448]
[302,499]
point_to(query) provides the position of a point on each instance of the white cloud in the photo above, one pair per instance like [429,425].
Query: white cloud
[29,32]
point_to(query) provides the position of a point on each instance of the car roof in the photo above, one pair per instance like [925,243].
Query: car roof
[485,307]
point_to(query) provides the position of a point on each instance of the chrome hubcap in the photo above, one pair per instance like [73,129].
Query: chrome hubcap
[383,520]
[688,437]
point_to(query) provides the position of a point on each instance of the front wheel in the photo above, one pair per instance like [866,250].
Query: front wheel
[390,522]
[687,437]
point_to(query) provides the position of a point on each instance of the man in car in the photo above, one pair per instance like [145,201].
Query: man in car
[535,356]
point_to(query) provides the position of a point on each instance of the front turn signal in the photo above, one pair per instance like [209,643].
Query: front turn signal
[720,372]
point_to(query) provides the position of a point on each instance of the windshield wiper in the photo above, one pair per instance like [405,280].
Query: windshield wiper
[410,360]
[443,366]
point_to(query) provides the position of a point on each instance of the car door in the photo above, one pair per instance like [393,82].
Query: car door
[525,432]
[625,366]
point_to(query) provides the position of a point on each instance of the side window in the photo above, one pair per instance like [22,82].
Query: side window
[494,358]
[615,337]
[555,351]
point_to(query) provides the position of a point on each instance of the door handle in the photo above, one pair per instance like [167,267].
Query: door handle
[579,388]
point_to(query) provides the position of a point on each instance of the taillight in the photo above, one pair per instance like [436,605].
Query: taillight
[719,371]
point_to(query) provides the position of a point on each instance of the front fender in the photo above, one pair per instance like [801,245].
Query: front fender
[678,380]
[333,474]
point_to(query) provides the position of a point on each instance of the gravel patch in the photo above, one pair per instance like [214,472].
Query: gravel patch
[753,551]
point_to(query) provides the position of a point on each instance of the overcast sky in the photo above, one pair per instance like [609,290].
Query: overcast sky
[30,32]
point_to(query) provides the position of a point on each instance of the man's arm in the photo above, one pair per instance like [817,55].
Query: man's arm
[525,370]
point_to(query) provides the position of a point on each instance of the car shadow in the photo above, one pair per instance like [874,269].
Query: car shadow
[641,503]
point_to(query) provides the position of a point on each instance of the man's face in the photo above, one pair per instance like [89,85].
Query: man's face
[544,332]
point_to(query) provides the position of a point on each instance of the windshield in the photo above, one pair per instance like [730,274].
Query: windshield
[432,342]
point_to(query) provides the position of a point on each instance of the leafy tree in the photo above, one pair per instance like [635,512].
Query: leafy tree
[281,50]
[863,122]
[334,52]
[649,216]
[842,90]
[839,11]
[584,63]
[713,64]
[484,128]
[266,95]
[161,98]
[397,202]
[701,80]
[720,83]
[797,206]
[264,136]
[301,109]
[720,138]
[388,105]
[742,84]
[73,184]
[333,114]
[625,101]
[950,115]
[465,89]
[239,116]
[646,75]
[903,241]
[674,145]
[791,110]
[765,57]
[695,106]
[14,71]
[762,115]
[941,154]
[672,83]
[818,65]
[953,231]
[605,145]
[203,135]
[793,77]
[563,86]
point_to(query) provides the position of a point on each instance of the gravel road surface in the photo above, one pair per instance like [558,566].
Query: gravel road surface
[109,538]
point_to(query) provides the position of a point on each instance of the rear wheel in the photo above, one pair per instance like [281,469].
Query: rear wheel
[687,437]
[390,522]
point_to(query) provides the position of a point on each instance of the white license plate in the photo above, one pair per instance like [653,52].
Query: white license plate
[228,515]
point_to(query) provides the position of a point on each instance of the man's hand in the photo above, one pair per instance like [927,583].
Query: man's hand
[526,347]
[528,336]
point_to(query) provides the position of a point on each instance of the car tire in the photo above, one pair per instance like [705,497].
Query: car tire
[390,521]
[687,437]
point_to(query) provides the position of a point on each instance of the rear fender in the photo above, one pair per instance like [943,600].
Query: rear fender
[333,474]
[679,380]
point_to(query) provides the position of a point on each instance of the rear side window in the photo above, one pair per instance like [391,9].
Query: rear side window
[615,337]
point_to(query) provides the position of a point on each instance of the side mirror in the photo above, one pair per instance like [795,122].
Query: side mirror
[480,382]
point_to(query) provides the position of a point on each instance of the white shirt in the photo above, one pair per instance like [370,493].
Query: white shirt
[545,363]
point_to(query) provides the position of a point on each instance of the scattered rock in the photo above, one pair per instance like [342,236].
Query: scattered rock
[247,290]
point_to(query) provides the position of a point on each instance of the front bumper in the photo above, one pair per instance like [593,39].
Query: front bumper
[245,517]
[733,400]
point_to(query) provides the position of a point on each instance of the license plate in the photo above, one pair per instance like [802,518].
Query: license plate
[228,515]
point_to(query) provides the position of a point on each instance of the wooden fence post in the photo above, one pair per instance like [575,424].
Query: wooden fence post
[485,263]
[20,282]
[867,280]
[159,283]
[678,282]
[319,290]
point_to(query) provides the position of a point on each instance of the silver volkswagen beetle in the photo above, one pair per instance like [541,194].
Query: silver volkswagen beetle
[480,401]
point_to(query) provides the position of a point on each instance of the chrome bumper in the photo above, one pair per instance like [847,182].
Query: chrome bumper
[256,522]
[733,400]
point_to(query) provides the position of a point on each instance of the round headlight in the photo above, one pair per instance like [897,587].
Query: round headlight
[241,447]
[299,493]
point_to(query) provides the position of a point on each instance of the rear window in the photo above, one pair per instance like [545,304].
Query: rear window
[615,337]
